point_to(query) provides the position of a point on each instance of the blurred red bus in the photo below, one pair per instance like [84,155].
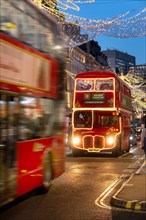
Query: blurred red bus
[32,104]
[102,113]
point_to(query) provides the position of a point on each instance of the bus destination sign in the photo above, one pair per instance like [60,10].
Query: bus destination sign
[94,98]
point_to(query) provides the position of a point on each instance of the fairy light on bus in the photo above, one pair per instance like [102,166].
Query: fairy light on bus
[101,113]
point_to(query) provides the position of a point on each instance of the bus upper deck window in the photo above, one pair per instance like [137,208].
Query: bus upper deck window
[104,84]
[82,85]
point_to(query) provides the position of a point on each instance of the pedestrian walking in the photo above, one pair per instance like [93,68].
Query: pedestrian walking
[143,138]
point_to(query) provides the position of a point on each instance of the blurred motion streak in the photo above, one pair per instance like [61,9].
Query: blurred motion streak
[32,101]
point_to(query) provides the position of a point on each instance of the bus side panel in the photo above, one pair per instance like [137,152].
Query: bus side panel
[28,56]
[125,132]
[30,156]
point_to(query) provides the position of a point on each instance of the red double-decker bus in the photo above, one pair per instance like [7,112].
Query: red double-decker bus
[32,104]
[102,113]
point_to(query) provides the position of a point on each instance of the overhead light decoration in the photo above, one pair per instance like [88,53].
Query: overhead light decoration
[135,83]
[129,28]
[38,2]
[71,4]
[67,5]
[63,4]
[79,30]
[119,27]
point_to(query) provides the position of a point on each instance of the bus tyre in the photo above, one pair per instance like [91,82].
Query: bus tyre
[117,151]
[47,174]
[76,152]
[128,148]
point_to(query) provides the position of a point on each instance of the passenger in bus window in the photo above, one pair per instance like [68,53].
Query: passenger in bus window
[3,129]
[104,121]
[8,136]
[26,125]
[81,86]
[105,86]
[114,121]
[81,117]
[38,126]
[11,140]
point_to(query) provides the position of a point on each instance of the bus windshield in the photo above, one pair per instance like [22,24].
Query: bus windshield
[83,119]
[105,120]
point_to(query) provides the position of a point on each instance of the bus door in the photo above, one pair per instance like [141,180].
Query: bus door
[8,134]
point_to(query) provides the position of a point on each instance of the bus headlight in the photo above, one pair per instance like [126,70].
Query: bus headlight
[76,140]
[110,140]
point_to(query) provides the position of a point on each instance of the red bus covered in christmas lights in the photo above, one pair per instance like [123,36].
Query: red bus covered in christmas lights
[32,104]
[102,113]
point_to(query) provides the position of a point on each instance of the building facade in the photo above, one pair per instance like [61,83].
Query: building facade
[119,61]
[77,61]
[139,70]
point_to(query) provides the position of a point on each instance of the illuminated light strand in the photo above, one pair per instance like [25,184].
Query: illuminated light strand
[78,28]
[62,4]
[72,75]
[51,3]
[83,1]
[114,27]
[70,17]
[89,29]
[55,13]
[136,91]
[72,4]
[81,30]
[67,4]
[132,27]
[38,2]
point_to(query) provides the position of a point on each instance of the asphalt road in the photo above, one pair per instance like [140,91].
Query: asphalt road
[83,192]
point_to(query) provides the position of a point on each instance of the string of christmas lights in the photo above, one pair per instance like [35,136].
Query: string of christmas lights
[135,83]
[128,28]
[63,4]
[79,30]
[71,4]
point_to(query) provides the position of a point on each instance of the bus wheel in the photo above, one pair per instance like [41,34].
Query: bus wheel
[117,151]
[76,152]
[128,148]
[47,174]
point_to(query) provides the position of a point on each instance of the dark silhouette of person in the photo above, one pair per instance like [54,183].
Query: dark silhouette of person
[143,138]
[105,86]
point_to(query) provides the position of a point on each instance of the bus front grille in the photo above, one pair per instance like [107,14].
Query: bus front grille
[93,142]
[88,142]
[98,142]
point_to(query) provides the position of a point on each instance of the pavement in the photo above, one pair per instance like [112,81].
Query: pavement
[132,194]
